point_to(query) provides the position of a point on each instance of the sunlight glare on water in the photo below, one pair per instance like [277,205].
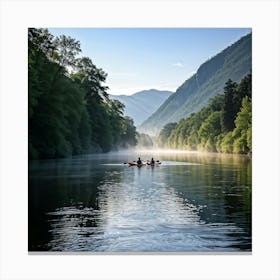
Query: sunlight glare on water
[180,206]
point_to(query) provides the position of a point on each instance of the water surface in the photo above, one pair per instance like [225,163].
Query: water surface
[95,203]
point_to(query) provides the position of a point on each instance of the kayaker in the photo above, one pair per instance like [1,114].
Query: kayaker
[139,161]
[152,161]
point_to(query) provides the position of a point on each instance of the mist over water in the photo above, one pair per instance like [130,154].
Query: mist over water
[192,202]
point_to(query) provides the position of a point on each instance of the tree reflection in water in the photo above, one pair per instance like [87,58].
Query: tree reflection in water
[193,202]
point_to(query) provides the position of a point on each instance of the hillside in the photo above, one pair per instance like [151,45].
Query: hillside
[232,63]
[141,105]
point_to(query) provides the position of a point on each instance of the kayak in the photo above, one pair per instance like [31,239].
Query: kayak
[136,164]
[153,164]
[143,164]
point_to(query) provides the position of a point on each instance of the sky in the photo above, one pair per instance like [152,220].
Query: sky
[138,59]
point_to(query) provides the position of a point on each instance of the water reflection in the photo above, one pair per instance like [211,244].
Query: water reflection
[83,205]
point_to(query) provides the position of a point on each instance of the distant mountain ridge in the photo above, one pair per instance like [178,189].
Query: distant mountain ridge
[232,63]
[139,106]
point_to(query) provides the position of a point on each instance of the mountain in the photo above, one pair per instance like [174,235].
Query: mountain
[141,105]
[232,63]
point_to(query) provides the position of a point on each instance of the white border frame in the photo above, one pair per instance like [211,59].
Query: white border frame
[262,16]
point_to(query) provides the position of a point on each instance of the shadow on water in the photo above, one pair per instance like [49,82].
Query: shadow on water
[192,202]
[222,193]
[64,186]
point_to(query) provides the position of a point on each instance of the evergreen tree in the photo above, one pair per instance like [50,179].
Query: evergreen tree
[244,88]
[228,112]
[225,125]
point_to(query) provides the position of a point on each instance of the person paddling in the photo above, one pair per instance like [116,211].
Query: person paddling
[152,162]
[139,161]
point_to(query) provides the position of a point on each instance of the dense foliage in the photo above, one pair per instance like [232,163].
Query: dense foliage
[69,109]
[225,125]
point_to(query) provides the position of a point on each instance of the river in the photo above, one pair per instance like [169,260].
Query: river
[192,202]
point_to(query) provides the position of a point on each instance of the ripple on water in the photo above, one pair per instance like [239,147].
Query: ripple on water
[148,210]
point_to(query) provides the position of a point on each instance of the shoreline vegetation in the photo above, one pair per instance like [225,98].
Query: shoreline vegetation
[70,112]
[69,109]
[224,126]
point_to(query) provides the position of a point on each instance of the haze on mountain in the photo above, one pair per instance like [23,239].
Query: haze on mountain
[139,106]
[233,63]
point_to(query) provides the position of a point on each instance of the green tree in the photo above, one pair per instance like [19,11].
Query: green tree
[209,130]
[40,45]
[165,133]
[84,131]
[90,79]
[66,51]
[129,137]
[64,54]
[224,125]
[70,113]
[40,41]
[243,130]
[243,89]
[228,114]
[227,143]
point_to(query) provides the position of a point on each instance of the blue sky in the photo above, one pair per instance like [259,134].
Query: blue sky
[136,59]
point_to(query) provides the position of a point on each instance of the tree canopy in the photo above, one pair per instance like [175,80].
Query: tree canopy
[69,109]
[225,125]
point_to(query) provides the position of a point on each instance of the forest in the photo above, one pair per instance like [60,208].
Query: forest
[69,109]
[234,62]
[225,125]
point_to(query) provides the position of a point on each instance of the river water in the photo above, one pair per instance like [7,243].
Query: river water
[192,202]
